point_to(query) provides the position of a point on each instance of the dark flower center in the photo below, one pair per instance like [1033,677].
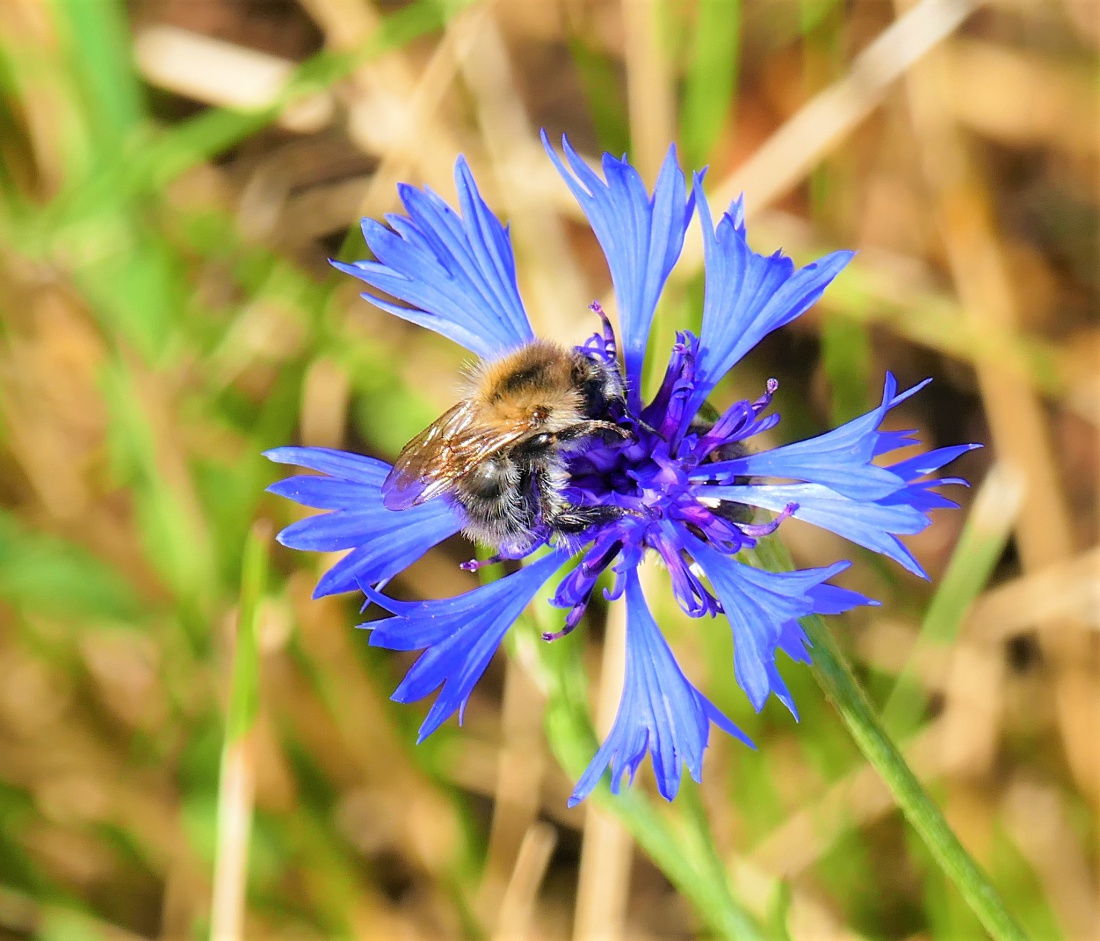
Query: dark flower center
[647,477]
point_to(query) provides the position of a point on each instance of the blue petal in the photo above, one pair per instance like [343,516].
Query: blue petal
[460,635]
[831,599]
[342,464]
[341,529]
[389,551]
[641,236]
[930,461]
[660,712]
[321,493]
[383,542]
[871,525]
[458,273]
[827,599]
[892,440]
[839,459]
[758,604]
[794,642]
[920,497]
[747,295]
[919,494]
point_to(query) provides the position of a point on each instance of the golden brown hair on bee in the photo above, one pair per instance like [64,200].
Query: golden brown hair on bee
[534,388]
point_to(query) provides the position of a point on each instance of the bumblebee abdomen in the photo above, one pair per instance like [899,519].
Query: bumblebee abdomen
[501,501]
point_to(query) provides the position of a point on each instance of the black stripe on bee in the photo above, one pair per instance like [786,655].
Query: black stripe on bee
[528,376]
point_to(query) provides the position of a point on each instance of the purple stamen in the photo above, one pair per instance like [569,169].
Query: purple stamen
[772,386]
[474,565]
[601,344]
[766,529]
[572,619]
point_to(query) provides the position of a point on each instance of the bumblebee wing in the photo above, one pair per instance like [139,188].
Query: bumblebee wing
[435,459]
[424,468]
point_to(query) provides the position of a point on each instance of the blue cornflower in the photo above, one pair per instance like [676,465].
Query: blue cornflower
[676,479]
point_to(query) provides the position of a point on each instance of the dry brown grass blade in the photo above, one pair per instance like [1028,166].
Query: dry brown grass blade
[787,157]
[1046,599]
[606,854]
[604,880]
[326,394]
[1023,99]
[1019,427]
[975,697]
[44,102]
[553,281]
[904,294]
[650,102]
[1037,820]
[391,104]
[226,75]
[329,206]
[476,769]
[517,796]
[235,798]
[518,902]
[407,156]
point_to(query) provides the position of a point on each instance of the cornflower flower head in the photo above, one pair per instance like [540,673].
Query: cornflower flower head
[675,478]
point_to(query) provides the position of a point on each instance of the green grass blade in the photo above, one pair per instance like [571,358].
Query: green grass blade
[920,810]
[237,778]
[606,99]
[840,687]
[981,544]
[846,358]
[99,37]
[51,575]
[711,78]
[150,164]
[175,536]
[813,13]
[245,697]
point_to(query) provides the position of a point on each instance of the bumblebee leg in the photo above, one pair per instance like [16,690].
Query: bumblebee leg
[590,428]
[573,519]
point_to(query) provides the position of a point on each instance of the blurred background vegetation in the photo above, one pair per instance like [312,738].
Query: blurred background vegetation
[173,176]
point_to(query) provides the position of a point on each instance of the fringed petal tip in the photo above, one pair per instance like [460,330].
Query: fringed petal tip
[660,712]
[748,295]
[760,605]
[458,636]
[641,236]
[382,542]
[455,272]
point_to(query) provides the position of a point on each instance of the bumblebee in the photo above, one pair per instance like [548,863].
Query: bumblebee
[501,452]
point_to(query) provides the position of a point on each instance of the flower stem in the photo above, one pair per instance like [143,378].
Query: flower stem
[835,678]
